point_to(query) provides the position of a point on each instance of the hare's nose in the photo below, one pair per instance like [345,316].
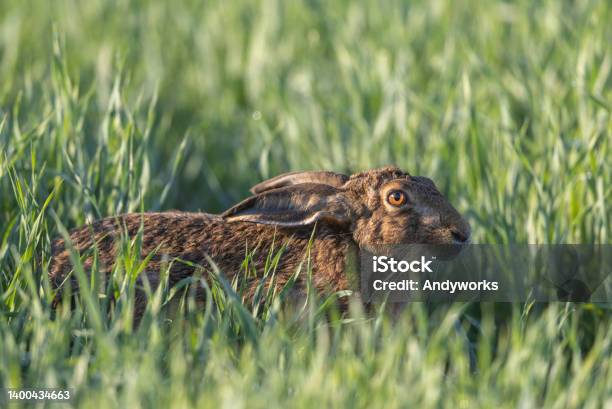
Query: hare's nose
[459,236]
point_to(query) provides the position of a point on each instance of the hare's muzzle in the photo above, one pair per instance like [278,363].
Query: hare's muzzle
[460,237]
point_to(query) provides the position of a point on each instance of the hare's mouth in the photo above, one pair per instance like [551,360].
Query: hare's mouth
[452,246]
[460,238]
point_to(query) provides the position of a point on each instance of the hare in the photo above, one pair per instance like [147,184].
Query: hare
[323,216]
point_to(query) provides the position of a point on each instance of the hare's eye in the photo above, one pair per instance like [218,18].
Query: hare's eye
[397,198]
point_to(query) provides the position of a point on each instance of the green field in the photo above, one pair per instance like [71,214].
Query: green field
[115,106]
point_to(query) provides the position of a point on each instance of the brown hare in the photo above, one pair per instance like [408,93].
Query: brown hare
[325,216]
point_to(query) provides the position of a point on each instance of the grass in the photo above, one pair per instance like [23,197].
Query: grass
[116,106]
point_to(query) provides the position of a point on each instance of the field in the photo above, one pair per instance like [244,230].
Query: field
[115,106]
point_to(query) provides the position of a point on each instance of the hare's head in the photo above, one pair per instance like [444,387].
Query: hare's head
[382,206]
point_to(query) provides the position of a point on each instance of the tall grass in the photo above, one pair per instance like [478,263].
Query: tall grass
[117,106]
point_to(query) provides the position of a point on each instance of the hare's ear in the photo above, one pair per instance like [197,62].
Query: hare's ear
[293,206]
[295,178]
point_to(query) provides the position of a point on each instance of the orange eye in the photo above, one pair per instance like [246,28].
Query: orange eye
[397,198]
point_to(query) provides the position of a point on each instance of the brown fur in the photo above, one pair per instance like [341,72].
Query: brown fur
[349,216]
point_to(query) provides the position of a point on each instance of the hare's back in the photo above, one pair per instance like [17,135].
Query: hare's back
[165,233]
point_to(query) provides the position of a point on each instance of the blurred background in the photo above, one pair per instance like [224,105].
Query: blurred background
[186,104]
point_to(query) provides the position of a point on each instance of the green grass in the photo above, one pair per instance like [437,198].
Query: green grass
[115,106]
